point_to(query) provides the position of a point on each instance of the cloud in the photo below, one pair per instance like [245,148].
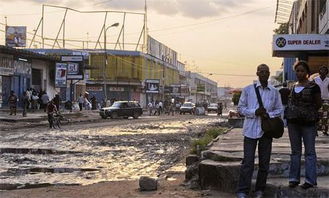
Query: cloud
[187,8]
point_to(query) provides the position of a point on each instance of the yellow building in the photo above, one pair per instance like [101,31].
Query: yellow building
[125,73]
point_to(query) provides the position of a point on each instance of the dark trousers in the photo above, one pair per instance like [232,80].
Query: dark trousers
[51,120]
[247,167]
[80,106]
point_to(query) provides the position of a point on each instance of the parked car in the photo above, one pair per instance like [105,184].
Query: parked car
[123,109]
[187,107]
[213,107]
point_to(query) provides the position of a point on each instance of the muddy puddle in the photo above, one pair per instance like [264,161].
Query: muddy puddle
[41,157]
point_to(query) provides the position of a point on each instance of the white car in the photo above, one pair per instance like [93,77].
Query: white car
[187,107]
[213,107]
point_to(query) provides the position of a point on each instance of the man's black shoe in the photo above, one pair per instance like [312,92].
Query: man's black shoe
[293,184]
[306,186]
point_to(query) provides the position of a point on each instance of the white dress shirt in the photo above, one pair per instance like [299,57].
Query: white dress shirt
[248,104]
[323,84]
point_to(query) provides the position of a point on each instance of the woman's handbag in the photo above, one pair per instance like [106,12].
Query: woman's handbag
[272,127]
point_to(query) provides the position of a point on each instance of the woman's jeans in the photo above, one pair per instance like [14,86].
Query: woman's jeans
[307,134]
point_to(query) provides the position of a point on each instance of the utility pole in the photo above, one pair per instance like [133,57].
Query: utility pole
[106,58]
[145,27]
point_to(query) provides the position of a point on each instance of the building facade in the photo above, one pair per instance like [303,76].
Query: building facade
[130,75]
[308,37]
[21,70]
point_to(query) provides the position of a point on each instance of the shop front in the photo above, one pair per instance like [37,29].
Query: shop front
[14,76]
[313,48]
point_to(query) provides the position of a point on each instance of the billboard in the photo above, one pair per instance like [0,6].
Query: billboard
[160,51]
[152,85]
[16,36]
[74,67]
[61,74]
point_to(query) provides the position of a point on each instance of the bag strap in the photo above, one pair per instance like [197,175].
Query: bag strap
[258,96]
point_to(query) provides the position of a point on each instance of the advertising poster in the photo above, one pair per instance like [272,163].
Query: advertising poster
[74,67]
[16,36]
[152,86]
[61,73]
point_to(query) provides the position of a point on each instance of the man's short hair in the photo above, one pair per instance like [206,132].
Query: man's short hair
[262,65]
[324,67]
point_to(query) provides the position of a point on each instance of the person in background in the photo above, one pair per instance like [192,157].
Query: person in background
[81,101]
[150,107]
[323,82]
[253,133]
[12,101]
[93,103]
[160,107]
[57,101]
[302,115]
[284,92]
[26,103]
[220,109]
[51,110]
[34,102]
[29,95]
[45,100]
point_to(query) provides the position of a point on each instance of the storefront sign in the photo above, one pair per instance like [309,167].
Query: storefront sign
[4,71]
[300,42]
[74,67]
[94,88]
[22,67]
[152,86]
[61,74]
[117,89]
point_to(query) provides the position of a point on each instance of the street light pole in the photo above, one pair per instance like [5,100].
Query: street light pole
[106,60]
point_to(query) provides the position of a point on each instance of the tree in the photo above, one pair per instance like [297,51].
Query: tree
[282,29]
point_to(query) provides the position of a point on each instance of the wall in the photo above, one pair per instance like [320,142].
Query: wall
[47,83]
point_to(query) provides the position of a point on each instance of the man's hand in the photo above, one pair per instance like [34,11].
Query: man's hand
[261,111]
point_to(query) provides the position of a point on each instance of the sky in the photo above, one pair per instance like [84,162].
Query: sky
[224,40]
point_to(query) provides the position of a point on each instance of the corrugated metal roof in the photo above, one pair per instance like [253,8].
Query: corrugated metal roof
[26,53]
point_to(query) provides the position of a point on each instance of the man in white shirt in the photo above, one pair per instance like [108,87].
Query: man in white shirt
[253,134]
[323,82]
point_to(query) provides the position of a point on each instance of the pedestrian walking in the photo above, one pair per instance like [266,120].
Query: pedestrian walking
[29,96]
[57,101]
[220,109]
[323,82]
[253,134]
[34,101]
[45,100]
[160,107]
[81,101]
[12,101]
[51,110]
[302,115]
[150,108]
[93,103]
[26,103]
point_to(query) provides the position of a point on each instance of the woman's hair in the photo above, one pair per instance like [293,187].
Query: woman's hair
[303,64]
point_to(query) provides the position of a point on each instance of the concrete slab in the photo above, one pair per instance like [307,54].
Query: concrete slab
[220,167]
